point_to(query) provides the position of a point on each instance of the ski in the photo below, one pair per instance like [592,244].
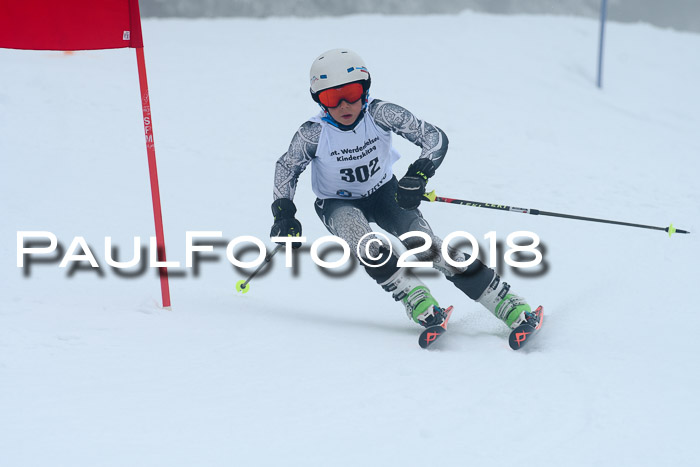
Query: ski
[522,334]
[432,333]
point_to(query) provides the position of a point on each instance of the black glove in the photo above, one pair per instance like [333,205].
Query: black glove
[412,186]
[286,225]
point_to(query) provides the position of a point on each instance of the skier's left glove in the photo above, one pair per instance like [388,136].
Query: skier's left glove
[286,225]
[411,188]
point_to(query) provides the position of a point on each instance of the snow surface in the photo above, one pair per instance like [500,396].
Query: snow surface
[310,368]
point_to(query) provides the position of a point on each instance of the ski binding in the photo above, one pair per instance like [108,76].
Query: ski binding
[432,333]
[522,334]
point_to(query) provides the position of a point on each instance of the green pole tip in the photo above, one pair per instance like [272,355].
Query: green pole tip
[242,289]
[671,230]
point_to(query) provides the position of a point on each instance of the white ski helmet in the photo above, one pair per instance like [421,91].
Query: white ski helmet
[335,68]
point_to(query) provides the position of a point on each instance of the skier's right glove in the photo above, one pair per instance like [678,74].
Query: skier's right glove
[286,225]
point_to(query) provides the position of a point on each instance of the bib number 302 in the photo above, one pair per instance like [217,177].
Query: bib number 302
[360,173]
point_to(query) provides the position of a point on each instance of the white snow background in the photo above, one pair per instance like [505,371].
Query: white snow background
[313,369]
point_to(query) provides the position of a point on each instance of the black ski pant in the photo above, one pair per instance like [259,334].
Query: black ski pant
[350,220]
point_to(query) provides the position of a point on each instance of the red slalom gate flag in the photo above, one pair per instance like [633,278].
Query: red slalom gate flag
[70,24]
[89,25]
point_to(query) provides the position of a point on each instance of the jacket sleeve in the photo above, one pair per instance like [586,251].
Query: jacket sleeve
[431,139]
[301,151]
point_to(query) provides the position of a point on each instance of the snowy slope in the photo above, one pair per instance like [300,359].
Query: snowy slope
[313,368]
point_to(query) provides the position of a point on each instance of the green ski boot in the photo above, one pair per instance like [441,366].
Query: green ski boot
[510,308]
[420,305]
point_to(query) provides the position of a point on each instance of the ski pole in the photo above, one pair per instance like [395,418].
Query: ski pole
[242,285]
[500,207]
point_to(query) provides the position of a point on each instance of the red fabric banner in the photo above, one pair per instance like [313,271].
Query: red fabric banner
[70,24]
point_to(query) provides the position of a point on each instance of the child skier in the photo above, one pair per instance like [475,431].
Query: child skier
[348,145]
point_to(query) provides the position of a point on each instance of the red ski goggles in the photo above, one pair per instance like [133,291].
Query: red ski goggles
[349,93]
